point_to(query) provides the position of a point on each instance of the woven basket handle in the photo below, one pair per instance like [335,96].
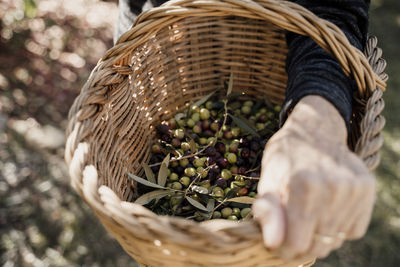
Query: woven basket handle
[287,15]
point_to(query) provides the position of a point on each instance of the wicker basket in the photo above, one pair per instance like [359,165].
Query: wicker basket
[172,56]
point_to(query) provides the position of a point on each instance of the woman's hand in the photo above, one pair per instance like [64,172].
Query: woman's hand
[314,192]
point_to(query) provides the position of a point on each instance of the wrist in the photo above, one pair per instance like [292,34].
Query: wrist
[315,116]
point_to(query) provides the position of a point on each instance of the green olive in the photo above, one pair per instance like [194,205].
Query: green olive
[190,123]
[176,186]
[231,157]
[226,212]
[244,212]
[185,181]
[173,177]
[232,218]
[190,172]
[236,212]
[195,117]
[218,191]
[216,215]
[204,114]
[226,174]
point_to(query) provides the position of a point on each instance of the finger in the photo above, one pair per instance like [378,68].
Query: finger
[360,226]
[350,212]
[366,204]
[343,202]
[325,198]
[269,212]
[301,214]
[321,246]
[299,237]
[356,224]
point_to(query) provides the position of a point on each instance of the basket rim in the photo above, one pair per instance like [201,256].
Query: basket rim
[284,14]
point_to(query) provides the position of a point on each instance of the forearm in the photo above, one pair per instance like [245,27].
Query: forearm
[315,117]
[311,70]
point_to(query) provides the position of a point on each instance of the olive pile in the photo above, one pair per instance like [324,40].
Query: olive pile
[205,163]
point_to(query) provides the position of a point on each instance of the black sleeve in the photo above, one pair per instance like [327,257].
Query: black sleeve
[311,70]
[128,11]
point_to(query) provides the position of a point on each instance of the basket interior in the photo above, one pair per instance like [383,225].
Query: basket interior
[180,64]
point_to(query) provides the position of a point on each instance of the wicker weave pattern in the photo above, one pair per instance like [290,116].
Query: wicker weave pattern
[172,56]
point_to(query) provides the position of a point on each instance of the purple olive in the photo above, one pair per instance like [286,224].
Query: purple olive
[221,182]
[220,147]
[206,124]
[176,142]
[242,170]
[163,129]
[210,151]
[166,138]
[210,161]
[240,161]
[245,153]
[179,169]
[263,118]
[228,134]
[233,147]
[222,162]
[208,133]
[254,145]
[155,169]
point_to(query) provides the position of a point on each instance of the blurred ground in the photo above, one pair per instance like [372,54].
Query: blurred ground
[47,49]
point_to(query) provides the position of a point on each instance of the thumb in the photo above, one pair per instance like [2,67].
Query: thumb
[269,213]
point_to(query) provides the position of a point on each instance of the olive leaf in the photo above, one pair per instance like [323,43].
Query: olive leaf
[196,204]
[210,205]
[157,194]
[179,116]
[149,173]
[257,106]
[266,131]
[199,189]
[144,181]
[205,215]
[242,200]
[163,172]
[230,85]
[234,96]
[192,145]
[244,125]
[231,193]
[202,100]
[170,149]
[234,105]
[268,103]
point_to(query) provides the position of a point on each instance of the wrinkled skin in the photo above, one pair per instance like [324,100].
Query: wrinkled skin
[312,184]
